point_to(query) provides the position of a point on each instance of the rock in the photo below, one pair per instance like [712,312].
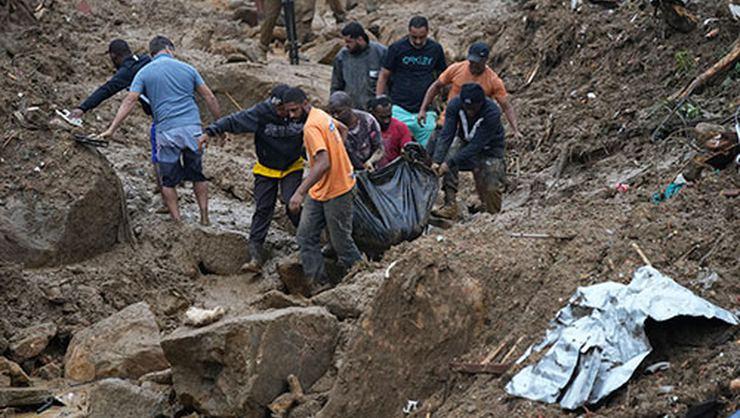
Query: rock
[11,374]
[49,371]
[30,342]
[275,299]
[422,317]
[198,317]
[117,398]
[221,252]
[163,377]
[126,344]
[325,52]
[249,83]
[12,397]
[236,367]
[290,272]
[247,15]
[81,213]
[4,344]
[349,300]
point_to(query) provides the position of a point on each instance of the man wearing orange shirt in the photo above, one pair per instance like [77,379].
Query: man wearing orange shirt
[474,70]
[326,193]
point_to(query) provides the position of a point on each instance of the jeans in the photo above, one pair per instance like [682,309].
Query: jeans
[265,197]
[489,174]
[336,216]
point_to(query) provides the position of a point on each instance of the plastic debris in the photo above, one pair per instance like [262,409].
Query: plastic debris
[622,187]
[598,340]
[665,389]
[657,367]
[410,407]
[197,317]
[670,191]
[735,10]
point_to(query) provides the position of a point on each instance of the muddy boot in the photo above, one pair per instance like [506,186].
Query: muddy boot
[450,209]
[258,258]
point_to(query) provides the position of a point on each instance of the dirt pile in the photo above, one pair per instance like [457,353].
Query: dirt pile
[588,87]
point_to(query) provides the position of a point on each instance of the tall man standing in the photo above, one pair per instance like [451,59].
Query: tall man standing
[127,64]
[170,86]
[472,138]
[329,186]
[410,67]
[473,70]
[357,66]
[279,145]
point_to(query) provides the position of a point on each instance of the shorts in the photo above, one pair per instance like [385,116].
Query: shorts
[421,133]
[178,158]
[153,140]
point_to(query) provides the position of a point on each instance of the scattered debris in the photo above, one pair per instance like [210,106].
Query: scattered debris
[720,67]
[66,116]
[197,317]
[622,187]
[567,237]
[410,407]
[671,190]
[706,279]
[283,403]
[597,341]
[666,389]
[735,10]
[658,367]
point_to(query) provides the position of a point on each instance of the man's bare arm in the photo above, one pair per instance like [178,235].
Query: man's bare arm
[319,167]
[382,86]
[431,93]
[508,110]
[211,101]
[128,104]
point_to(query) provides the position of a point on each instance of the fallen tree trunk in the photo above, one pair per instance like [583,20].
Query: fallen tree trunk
[720,67]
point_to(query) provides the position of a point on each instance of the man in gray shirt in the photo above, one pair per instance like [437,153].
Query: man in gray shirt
[357,66]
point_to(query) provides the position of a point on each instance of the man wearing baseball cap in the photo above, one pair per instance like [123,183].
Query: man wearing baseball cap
[279,145]
[474,70]
[472,138]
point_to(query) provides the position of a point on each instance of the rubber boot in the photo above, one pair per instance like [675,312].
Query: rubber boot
[450,209]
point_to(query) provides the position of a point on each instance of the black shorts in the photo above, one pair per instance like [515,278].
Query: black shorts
[188,167]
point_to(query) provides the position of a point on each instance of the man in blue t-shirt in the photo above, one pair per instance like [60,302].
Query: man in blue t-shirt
[410,67]
[170,85]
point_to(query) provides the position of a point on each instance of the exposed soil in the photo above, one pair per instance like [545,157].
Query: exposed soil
[589,86]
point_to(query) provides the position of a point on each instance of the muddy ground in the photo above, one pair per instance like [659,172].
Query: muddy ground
[589,85]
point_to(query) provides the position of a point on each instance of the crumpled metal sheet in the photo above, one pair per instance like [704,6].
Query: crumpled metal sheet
[597,341]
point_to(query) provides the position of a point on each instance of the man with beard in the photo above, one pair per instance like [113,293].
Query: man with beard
[278,143]
[357,66]
[395,134]
[326,193]
[472,70]
[364,142]
[410,67]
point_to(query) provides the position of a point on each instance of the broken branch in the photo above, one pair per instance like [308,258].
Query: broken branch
[721,66]
[641,254]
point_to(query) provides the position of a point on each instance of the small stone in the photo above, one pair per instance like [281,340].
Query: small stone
[49,371]
[30,342]
[735,385]
[163,377]
[12,397]
[11,374]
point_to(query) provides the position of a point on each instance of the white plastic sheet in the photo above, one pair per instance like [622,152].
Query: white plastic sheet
[597,341]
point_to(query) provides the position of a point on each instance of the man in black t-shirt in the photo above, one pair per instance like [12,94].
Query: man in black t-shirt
[410,67]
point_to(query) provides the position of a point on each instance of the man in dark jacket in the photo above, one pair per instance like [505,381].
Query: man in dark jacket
[472,138]
[279,145]
[127,65]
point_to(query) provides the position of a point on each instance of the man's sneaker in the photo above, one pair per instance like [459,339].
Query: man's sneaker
[450,210]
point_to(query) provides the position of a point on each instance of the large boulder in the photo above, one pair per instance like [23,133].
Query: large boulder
[248,83]
[29,342]
[117,398]
[61,203]
[126,344]
[221,252]
[423,316]
[236,367]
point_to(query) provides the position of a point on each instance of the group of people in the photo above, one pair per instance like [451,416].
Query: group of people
[380,101]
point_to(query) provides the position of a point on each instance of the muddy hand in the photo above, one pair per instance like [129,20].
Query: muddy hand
[202,142]
[76,113]
[421,118]
[294,206]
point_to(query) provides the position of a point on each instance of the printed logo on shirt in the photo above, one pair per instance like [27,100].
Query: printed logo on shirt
[373,74]
[417,60]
